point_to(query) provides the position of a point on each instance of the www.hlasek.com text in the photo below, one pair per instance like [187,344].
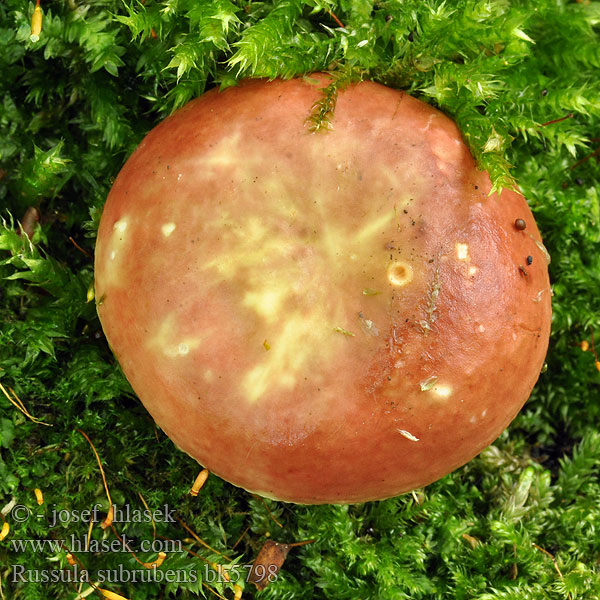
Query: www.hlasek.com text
[80,545]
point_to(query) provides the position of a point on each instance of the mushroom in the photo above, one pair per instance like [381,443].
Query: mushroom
[233,260]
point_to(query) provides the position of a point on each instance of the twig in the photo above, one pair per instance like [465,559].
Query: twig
[241,537]
[150,513]
[569,116]
[88,592]
[270,513]
[80,248]
[596,152]
[109,517]
[87,547]
[18,403]
[200,540]
[554,562]
[73,557]
[596,361]
[220,569]
[332,14]
[213,591]
[302,543]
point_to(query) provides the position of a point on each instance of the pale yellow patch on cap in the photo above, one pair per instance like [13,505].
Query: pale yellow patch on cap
[121,225]
[442,391]
[167,340]
[462,251]
[168,228]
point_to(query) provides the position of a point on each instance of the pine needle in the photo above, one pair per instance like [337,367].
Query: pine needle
[262,500]
[150,513]
[200,540]
[18,403]
[109,517]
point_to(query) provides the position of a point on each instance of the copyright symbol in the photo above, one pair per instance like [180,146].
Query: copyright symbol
[20,513]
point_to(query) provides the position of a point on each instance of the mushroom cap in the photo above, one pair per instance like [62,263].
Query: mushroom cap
[333,316]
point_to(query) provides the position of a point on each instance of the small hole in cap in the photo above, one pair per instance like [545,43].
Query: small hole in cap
[400,273]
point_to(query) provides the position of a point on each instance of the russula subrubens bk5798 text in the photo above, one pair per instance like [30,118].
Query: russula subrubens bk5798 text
[332,316]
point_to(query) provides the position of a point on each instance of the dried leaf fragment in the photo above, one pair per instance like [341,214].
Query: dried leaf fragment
[30,219]
[473,541]
[267,563]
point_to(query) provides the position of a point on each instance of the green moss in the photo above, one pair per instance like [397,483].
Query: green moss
[520,78]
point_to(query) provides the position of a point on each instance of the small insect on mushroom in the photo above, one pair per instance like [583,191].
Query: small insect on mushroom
[529,260]
[520,224]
